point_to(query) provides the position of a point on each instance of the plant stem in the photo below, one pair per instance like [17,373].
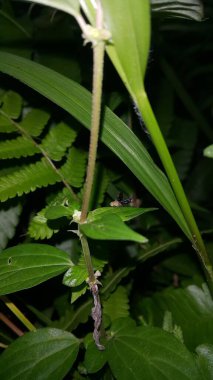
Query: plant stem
[87,258]
[18,313]
[161,147]
[98,63]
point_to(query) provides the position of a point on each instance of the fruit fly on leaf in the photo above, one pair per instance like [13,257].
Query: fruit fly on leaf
[121,201]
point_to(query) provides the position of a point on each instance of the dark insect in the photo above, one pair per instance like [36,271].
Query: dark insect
[121,201]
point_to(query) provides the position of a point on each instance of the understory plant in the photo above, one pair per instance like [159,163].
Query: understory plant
[103,269]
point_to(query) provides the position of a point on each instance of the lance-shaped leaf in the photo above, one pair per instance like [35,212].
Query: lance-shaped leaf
[192,10]
[115,134]
[47,353]
[110,227]
[27,265]
[130,63]
[125,213]
[69,6]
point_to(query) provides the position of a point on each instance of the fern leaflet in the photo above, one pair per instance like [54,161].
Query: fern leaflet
[58,140]
[16,148]
[74,168]
[35,121]
[27,179]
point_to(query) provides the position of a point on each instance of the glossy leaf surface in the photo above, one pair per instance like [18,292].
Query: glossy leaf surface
[43,354]
[27,265]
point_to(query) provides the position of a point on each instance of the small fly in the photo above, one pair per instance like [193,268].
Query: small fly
[121,201]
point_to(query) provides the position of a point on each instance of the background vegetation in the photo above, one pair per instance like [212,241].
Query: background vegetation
[157,306]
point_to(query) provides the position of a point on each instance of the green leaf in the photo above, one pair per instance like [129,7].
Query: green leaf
[27,265]
[43,354]
[27,179]
[208,151]
[125,213]
[117,305]
[12,104]
[38,227]
[69,6]
[191,304]
[192,10]
[110,227]
[130,63]
[58,211]
[9,219]
[111,280]
[205,360]
[35,121]
[154,249]
[74,168]
[19,147]
[148,353]
[115,134]
[58,140]
[94,359]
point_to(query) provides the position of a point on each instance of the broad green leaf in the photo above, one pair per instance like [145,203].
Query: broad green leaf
[205,360]
[27,265]
[191,304]
[43,354]
[148,353]
[130,62]
[110,227]
[9,219]
[125,213]
[192,9]
[94,359]
[208,151]
[115,134]
[69,6]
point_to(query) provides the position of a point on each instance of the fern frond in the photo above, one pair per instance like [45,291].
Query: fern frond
[27,179]
[58,140]
[38,227]
[12,104]
[35,121]
[117,305]
[6,126]
[16,148]
[9,218]
[74,168]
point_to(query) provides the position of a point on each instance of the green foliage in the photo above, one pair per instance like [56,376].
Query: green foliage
[150,353]
[117,305]
[9,219]
[157,311]
[47,352]
[27,265]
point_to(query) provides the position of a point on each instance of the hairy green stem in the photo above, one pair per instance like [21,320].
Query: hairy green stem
[161,147]
[98,63]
